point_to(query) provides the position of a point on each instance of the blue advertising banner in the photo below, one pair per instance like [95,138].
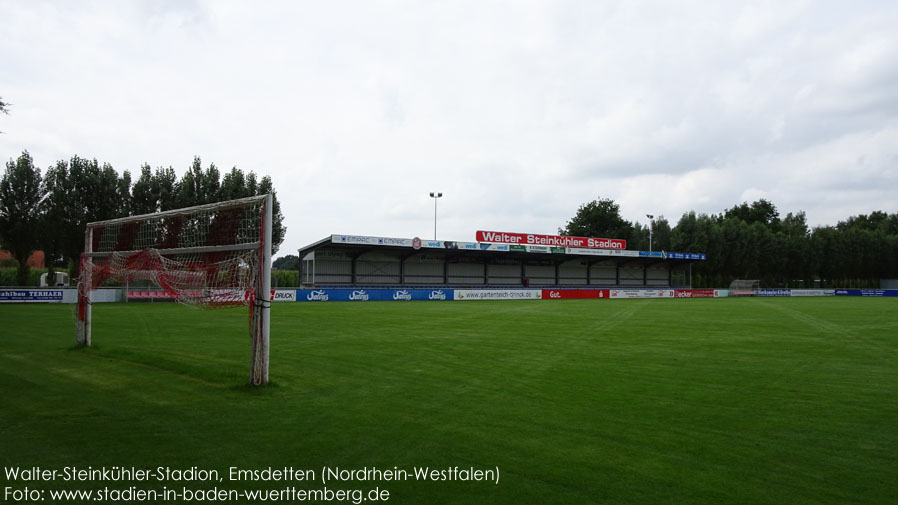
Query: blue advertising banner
[867,292]
[671,255]
[370,295]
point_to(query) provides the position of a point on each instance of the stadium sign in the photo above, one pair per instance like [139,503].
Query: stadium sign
[550,240]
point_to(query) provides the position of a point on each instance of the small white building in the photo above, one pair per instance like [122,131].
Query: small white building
[62,279]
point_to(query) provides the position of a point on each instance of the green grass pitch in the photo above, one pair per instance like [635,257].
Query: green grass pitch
[715,401]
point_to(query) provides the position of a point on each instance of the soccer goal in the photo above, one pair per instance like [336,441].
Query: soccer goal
[210,256]
[742,287]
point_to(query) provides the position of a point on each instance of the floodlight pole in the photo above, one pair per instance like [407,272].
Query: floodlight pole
[651,225]
[435,196]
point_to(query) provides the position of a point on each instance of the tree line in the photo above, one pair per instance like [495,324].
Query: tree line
[50,212]
[752,241]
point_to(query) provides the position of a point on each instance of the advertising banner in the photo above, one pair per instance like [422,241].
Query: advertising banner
[359,239]
[685,256]
[550,240]
[283,295]
[642,293]
[813,292]
[774,292]
[694,293]
[602,252]
[574,294]
[866,292]
[493,247]
[369,295]
[399,295]
[31,295]
[498,294]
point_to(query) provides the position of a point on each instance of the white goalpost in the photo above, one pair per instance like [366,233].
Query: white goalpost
[210,256]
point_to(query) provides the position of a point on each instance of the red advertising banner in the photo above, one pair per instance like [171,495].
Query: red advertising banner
[574,294]
[694,293]
[550,240]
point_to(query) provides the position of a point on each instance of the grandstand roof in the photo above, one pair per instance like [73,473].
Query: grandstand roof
[360,244]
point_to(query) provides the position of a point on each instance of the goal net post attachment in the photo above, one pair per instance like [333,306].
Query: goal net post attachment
[209,256]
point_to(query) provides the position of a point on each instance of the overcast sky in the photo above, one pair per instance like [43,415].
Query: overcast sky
[517,111]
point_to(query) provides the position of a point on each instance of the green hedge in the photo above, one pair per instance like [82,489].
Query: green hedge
[284,278]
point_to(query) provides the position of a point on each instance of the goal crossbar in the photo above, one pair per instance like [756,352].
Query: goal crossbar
[182,250]
[184,211]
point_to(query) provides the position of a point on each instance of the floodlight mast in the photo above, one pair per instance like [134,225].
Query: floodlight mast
[435,196]
[651,225]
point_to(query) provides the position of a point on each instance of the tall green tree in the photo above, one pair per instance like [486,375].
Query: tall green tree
[701,233]
[278,230]
[57,217]
[761,211]
[198,186]
[81,191]
[599,218]
[660,234]
[20,203]
[165,188]
[288,262]
[143,200]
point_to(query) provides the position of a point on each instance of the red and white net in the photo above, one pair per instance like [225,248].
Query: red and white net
[207,256]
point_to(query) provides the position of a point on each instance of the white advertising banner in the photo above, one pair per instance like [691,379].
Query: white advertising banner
[58,295]
[813,292]
[642,293]
[498,294]
[360,239]
[602,252]
[284,295]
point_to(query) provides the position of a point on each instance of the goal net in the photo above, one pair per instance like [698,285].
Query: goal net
[210,256]
[741,287]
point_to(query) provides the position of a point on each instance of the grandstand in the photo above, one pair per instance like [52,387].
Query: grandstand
[353,260]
